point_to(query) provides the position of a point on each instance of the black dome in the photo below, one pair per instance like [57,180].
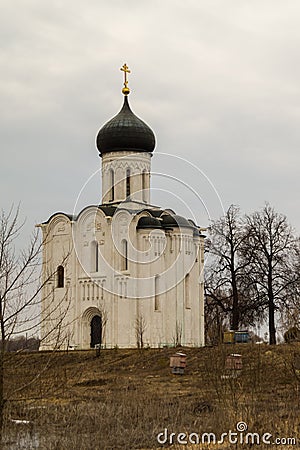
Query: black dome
[125,131]
[148,222]
[170,221]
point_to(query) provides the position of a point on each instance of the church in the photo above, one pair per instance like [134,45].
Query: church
[123,273]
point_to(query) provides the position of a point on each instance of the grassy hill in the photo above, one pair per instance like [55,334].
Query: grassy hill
[125,398]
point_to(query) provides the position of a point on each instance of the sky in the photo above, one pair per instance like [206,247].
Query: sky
[217,81]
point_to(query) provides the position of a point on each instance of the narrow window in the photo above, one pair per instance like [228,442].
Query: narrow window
[156,297]
[187,291]
[144,175]
[127,182]
[124,249]
[60,277]
[94,257]
[112,185]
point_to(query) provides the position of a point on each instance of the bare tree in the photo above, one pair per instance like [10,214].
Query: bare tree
[225,284]
[273,246]
[177,339]
[216,321]
[290,315]
[20,288]
[140,328]
[104,318]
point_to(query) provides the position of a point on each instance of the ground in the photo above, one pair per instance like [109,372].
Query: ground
[124,398]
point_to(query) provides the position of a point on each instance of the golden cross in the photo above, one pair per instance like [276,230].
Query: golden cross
[126,70]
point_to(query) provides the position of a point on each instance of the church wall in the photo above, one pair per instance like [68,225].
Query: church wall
[56,301]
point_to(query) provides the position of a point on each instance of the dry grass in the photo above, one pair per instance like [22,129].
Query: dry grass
[124,398]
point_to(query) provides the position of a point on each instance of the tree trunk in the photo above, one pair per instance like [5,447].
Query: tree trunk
[1,394]
[235,305]
[272,329]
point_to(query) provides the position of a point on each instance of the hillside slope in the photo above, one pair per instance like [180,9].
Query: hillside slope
[125,398]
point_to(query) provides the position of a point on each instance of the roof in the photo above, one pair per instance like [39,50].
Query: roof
[155,218]
[125,131]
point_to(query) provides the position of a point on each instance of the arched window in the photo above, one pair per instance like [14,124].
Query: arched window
[124,249]
[156,297]
[112,186]
[60,276]
[187,291]
[144,176]
[94,257]
[127,182]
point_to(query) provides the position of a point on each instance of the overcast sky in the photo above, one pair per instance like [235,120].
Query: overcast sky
[217,81]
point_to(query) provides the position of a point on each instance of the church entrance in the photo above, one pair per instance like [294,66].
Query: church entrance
[96,331]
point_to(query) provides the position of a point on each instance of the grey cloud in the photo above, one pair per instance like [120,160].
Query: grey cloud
[217,81]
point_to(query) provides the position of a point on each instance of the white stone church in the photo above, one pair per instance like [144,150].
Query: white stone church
[124,273]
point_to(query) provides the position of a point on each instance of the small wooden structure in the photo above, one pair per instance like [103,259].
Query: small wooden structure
[234,362]
[228,337]
[241,337]
[178,363]
[236,337]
